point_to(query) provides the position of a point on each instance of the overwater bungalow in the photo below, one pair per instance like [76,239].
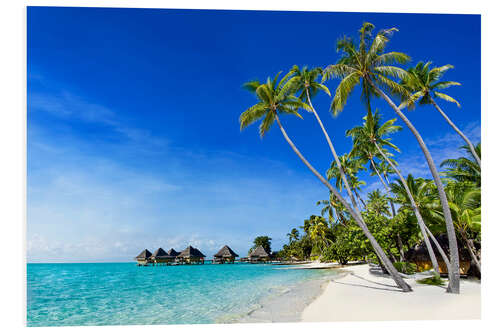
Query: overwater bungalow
[191,255]
[225,255]
[144,258]
[161,257]
[172,255]
[259,254]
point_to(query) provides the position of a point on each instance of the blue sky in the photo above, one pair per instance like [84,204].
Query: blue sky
[133,134]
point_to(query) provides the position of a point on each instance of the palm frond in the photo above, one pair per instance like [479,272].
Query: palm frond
[344,89]
[446,98]
[252,114]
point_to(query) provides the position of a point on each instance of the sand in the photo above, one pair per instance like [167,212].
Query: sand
[363,296]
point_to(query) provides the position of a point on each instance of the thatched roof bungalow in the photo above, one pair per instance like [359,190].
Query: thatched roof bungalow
[173,253]
[191,255]
[420,256]
[143,258]
[226,254]
[162,257]
[259,254]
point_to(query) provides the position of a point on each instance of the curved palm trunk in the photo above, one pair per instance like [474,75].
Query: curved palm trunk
[466,139]
[440,249]
[385,186]
[378,250]
[420,220]
[359,197]
[334,153]
[471,249]
[454,271]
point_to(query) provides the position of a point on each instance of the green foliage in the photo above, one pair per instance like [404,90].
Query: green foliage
[378,203]
[464,169]
[366,64]
[274,98]
[423,82]
[265,241]
[405,267]
[433,281]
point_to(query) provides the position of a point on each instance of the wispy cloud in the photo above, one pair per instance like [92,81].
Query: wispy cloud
[61,103]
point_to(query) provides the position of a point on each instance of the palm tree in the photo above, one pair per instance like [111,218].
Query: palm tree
[350,167]
[318,231]
[377,203]
[385,168]
[307,87]
[376,135]
[406,191]
[276,98]
[366,135]
[370,67]
[293,235]
[334,208]
[465,169]
[425,84]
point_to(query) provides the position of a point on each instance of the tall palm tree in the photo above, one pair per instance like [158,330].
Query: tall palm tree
[350,166]
[307,87]
[336,212]
[293,235]
[378,203]
[406,190]
[385,168]
[364,137]
[465,168]
[376,135]
[424,82]
[277,98]
[369,66]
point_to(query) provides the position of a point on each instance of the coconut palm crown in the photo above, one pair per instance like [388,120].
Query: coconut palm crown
[275,97]
[372,131]
[307,85]
[424,82]
[366,65]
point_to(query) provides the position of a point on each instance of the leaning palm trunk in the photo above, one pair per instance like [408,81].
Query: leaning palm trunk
[378,250]
[385,186]
[471,248]
[420,220]
[359,198]
[466,139]
[440,249]
[334,153]
[454,271]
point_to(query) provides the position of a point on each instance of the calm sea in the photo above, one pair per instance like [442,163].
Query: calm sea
[124,294]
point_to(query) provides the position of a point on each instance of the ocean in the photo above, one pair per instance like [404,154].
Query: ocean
[125,294]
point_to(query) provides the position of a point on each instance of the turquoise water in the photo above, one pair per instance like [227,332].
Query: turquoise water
[124,294]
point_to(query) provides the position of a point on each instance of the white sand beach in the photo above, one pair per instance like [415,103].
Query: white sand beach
[362,296]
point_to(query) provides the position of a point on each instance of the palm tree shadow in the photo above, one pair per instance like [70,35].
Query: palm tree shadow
[370,287]
[363,286]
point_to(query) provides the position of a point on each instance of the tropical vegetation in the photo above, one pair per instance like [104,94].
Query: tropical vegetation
[386,224]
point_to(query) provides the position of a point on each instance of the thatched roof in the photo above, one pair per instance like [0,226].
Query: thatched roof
[226,252]
[191,252]
[172,253]
[259,251]
[420,253]
[160,253]
[144,255]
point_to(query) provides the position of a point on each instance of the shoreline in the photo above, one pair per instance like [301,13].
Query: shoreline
[362,296]
[289,304]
